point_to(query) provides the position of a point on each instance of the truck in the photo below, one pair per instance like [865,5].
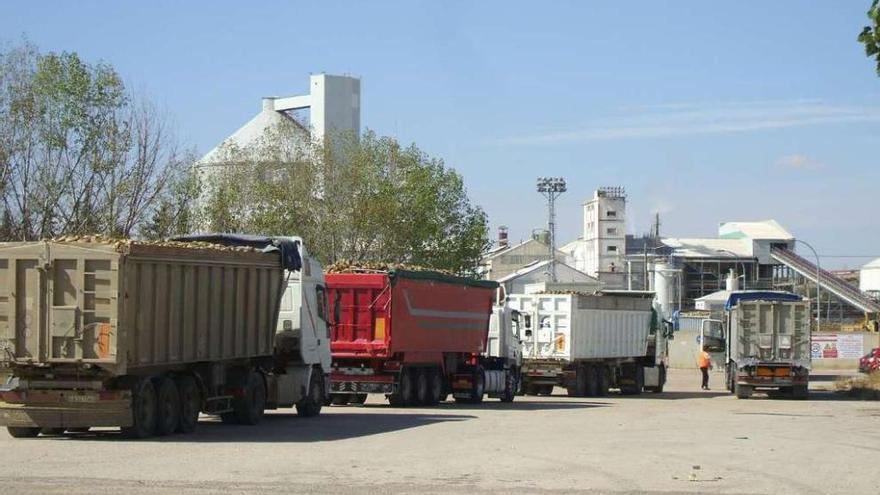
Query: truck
[145,336]
[588,343]
[764,337]
[417,336]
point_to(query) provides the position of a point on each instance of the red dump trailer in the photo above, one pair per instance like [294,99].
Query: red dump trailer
[414,336]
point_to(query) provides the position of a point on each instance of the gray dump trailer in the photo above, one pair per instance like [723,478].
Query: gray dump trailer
[146,336]
[765,337]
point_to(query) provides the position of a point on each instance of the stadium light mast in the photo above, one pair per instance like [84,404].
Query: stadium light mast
[551,188]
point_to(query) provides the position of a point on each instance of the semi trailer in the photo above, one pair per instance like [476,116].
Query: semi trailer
[764,337]
[588,343]
[418,336]
[145,336]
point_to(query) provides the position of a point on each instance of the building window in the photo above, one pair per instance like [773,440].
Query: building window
[612,249]
[611,231]
[611,214]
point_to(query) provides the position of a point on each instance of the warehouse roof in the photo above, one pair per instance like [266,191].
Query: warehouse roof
[764,229]
[709,248]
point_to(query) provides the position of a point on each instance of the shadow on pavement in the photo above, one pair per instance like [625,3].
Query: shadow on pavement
[523,405]
[288,427]
[680,395]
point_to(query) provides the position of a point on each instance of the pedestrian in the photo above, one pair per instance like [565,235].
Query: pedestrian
[705,363]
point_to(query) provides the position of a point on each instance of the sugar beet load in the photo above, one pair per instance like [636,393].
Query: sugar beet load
[145,336]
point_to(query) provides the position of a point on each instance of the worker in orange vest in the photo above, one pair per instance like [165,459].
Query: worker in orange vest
[705,363]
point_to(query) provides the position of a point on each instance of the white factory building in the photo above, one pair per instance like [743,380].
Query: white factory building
[333,105]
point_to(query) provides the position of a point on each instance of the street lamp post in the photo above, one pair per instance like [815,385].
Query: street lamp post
[736,257]
[551,188]
[818,284]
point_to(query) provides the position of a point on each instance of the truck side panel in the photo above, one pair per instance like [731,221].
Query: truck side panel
[431,316]
[67,304]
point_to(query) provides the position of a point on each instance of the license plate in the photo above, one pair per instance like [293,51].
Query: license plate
[82,398]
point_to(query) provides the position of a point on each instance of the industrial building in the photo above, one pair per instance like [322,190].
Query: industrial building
[333,105]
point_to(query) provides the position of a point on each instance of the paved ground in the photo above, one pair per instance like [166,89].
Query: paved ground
[681,441]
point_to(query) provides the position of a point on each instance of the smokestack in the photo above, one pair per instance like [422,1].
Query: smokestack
[502,236]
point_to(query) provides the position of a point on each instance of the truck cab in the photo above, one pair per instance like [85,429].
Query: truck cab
[302,338]
[504,347]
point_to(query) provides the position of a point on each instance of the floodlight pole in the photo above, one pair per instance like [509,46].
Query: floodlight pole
[551,188]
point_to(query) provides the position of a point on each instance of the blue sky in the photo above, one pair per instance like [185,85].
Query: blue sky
[704,111]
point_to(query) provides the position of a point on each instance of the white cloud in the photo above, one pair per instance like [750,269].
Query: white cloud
[678,119]
[799,162]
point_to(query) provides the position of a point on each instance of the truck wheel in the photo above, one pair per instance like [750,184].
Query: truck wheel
[435,381]
[581,379]
[23,431]
[800,392]
[143,410]
[603,380]
[310,406]
[743,391]
[358,398]
[479,385]
[190,404]
[168,401]
[340,399]
[406,394]
[509,387]
[592,375]
[423,393]
[545,390]
[250,408]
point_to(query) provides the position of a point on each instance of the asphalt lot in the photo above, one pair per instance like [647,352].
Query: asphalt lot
[681,441]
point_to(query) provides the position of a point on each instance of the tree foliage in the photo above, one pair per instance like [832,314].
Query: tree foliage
[870,35]
[79,154]
[351,198]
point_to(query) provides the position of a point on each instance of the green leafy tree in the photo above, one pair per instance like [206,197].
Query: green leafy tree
[361,199]
[870,35]
[78,154]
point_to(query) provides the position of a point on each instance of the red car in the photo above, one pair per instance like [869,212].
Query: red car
[870,362]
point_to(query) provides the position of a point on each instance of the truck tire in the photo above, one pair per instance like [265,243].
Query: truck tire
[800,392]
[340,399]
[249,409]
[604,381]
[510,387]
[581,379]
[358,398]
[435,386]
[190,404]
[637,373]
[742,391]
[661,374]
[310,405]
[143,410]
[592,373]
[405,394]
[23,431]
[478,389]
[168,407]
[544,390]
[422,391]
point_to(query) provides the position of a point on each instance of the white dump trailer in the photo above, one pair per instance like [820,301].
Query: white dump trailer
[587,343]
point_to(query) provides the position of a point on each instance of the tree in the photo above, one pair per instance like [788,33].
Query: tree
[78,154]
[362,199]
[870,35]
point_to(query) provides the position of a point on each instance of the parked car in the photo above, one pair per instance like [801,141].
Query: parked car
[870,362]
